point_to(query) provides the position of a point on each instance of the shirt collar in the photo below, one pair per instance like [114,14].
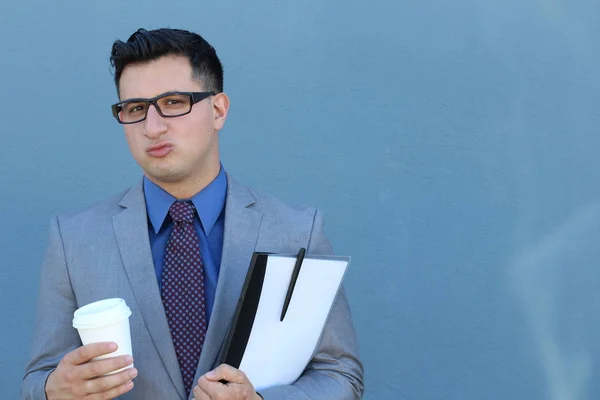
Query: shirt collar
[209,202]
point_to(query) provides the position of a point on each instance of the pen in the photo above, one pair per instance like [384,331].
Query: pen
[295,273]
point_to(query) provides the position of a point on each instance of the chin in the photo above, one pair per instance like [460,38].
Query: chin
[162,175]
[166,178]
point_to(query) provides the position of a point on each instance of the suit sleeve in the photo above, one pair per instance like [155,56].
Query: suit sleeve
[335,371]
[54,334]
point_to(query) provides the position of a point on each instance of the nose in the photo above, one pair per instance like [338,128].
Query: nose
[155,123]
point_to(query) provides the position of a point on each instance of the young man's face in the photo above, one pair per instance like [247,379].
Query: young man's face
[179,153]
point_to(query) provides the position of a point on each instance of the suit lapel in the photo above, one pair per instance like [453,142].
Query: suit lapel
[242,224]
[131,230]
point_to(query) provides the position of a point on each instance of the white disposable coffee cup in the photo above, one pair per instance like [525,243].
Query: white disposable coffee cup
[105,321]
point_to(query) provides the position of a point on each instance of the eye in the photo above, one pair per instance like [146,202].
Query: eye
[172,101]
[135,108]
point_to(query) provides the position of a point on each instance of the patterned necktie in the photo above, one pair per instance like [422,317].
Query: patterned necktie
[183,290]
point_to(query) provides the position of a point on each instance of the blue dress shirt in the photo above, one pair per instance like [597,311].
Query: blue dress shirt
[209,223]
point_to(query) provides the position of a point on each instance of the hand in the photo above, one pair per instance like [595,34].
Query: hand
[79,377]
[237,388]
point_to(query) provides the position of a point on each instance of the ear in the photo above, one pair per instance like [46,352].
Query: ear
[220,109]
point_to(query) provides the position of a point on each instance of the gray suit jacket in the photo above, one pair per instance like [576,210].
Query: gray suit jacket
[105,252]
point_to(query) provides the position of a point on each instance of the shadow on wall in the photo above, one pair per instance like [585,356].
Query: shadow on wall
[556,280]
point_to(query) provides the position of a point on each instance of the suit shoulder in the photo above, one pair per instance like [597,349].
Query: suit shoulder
[289,226]
[272,206]
[94,213]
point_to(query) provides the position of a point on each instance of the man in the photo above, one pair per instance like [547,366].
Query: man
[170,83]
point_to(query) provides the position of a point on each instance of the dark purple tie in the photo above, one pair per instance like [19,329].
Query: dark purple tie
[183,290]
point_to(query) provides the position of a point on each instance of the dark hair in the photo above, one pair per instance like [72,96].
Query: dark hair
[144,46]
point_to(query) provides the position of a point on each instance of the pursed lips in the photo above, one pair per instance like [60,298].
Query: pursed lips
[159,149]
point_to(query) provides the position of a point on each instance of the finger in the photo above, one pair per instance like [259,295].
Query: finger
[97,368]
[226,372]
[115,392]
[200,394]
[83,354]
[110,382]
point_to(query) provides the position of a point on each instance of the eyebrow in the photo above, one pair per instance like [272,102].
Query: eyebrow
[158,95]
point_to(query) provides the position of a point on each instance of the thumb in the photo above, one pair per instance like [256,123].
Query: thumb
[225,372]
[216,374]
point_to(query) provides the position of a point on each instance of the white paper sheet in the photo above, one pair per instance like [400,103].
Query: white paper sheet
[277,352]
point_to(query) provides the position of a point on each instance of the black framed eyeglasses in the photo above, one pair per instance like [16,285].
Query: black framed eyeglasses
[171,104]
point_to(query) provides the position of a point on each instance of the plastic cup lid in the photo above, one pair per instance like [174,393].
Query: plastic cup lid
[100,313]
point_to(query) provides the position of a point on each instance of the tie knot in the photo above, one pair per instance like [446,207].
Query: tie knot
[182,211]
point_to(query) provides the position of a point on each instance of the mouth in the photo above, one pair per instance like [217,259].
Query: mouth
[159,150]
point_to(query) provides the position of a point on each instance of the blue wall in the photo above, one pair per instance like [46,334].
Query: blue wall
[453,147]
